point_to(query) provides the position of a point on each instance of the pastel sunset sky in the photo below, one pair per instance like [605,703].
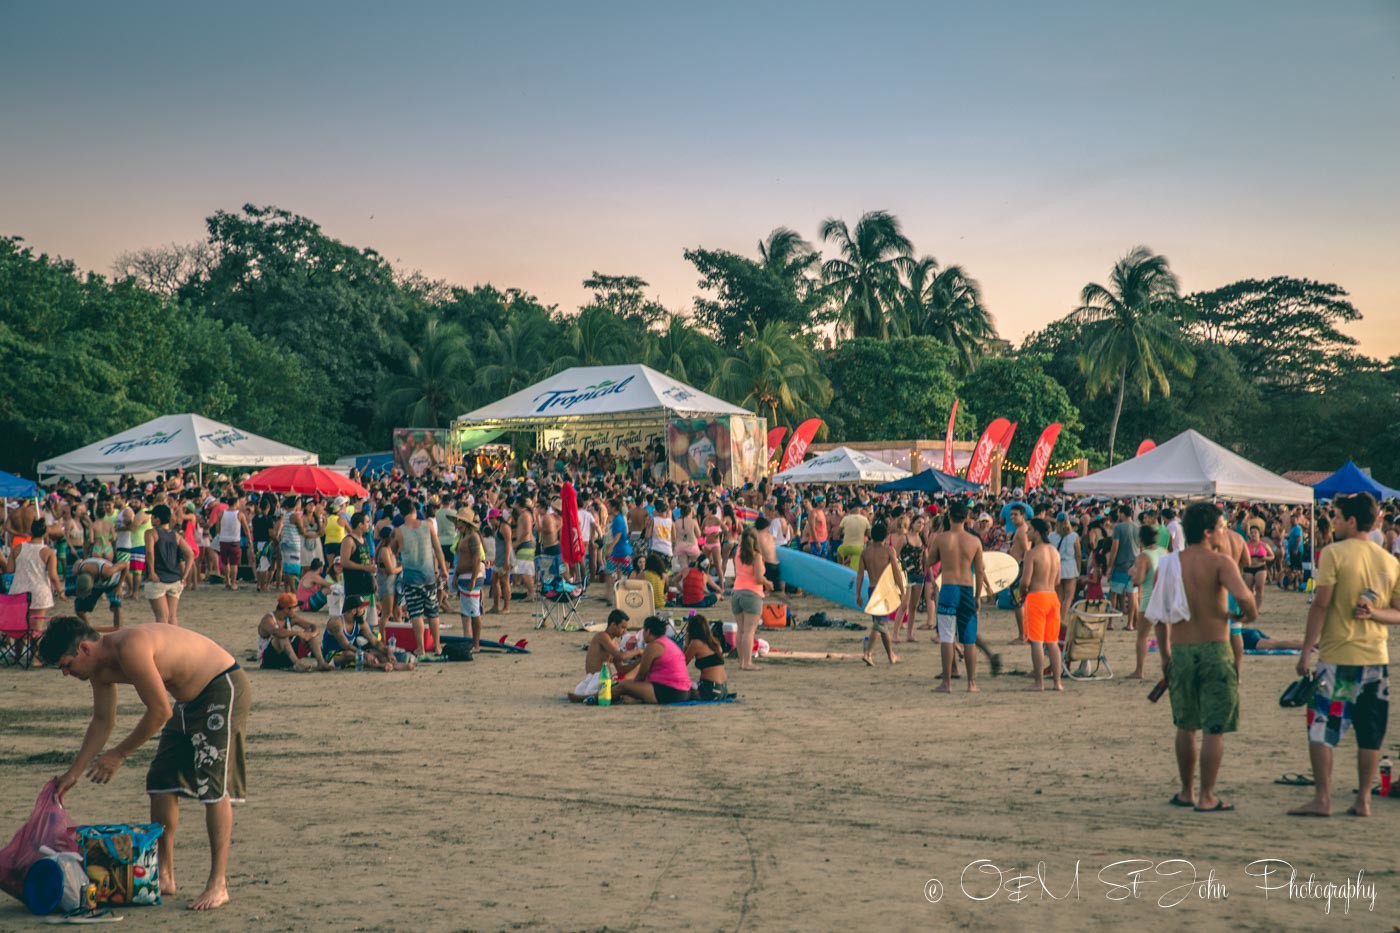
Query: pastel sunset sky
[527,144]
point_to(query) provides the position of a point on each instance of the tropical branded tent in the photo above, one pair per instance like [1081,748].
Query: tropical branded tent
[174,442]
[842,465]
[618,407]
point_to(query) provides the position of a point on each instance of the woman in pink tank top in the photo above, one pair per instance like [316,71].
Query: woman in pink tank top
[661,677]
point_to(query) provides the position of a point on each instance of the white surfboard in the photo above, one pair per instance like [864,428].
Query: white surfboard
[1002,570]
[884,598]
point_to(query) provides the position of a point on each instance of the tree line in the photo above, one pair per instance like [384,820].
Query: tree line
[270,324]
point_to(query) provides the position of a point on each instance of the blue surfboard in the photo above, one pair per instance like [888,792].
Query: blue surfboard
[829,580]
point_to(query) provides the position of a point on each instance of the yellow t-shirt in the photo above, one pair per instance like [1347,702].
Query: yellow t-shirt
[1350,567]
[658,588]
[854,528]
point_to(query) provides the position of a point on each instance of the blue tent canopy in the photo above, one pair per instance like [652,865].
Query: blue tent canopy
[1350,479]
[14,487]
[929,480]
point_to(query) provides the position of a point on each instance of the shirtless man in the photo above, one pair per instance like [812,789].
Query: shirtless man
[1020,544]
[523,539]
[211,703]
[768,550]
[964,580]
[877,556]
[1196,659]
[19,520]
[602,649]
[1039,574]
[95,577]
[1231,543]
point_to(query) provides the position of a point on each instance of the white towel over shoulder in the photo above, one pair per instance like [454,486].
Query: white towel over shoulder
[1168,603]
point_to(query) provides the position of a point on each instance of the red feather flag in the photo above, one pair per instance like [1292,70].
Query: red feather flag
[1145,446]
[570,535]
[797,447]
[949,466]
[1005,442]
[1040,456]
[775,440]
[981,466]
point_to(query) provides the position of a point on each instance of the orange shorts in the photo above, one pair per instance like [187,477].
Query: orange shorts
[1042,617]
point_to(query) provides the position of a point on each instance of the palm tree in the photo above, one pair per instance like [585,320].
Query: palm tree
[436,382]
[774,374]
[519,354]
[789,259]
[682,352]
[596,337]
[864,281]
[948,305]
[1130,331]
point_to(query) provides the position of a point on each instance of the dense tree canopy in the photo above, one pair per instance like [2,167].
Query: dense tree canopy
[273,325]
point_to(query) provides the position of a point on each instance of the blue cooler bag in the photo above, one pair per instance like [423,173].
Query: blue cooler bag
[120,859]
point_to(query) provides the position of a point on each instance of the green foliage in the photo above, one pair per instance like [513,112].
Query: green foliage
[749,295]
[1282,330]
[1131,336]
[1018,389]
[683,352]
[776,375]
[863,280]
[948,305]
[899,389]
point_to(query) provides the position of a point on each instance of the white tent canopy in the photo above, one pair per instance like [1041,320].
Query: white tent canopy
[842,465]
[174,442]
[584,392]
[1188,466]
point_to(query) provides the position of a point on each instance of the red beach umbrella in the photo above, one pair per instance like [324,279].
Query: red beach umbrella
[304,479]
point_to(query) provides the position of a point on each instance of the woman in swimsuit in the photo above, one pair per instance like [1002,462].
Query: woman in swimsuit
[1259,553]
[687,537]
[702,648]
[714,535]
[912,553]
[732,530]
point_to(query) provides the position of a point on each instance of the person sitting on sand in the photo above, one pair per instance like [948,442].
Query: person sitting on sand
[698,589]
[654,573]
[313,588]
[603,649]
[661,676]
[876,558]
[350,634]
[281,632]
[708,655]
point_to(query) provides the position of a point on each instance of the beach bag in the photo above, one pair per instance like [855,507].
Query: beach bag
[775,616]
[48,825]
[120,858]
[1299,692]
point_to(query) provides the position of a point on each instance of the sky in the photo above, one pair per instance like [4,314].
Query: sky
[528,144]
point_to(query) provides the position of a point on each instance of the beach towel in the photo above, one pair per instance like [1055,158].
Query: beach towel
[729,699]
[1168,603]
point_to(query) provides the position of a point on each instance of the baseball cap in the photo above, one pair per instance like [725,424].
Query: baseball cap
[286,601]
[1062,517]
[984,517]
[493,513]
[352,603]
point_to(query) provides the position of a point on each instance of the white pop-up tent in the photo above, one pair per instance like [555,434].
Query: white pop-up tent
[1189,466]
[618,407]
[174,442]
[842,465]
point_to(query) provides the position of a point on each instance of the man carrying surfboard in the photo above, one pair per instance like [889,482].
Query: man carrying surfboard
[964,579]
[876,560]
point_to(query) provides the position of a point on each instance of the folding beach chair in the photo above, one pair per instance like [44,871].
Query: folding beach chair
[558,598]
[1084,642]
[17,642]
[636,598]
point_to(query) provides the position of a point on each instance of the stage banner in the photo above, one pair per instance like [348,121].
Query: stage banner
[588,439]
[981,466]
[1040,456]
[731,446]
[949,466]
[797,447]
[418,449]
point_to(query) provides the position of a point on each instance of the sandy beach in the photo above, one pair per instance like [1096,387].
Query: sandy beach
[468,796]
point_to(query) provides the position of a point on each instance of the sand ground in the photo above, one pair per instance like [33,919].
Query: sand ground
[467,796]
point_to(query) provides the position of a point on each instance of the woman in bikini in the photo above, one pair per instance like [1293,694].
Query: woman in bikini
[912,560]
[1258,553]
[702,648]
[713,539]
[687,538]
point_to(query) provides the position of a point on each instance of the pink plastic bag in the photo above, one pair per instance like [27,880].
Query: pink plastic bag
[49,825]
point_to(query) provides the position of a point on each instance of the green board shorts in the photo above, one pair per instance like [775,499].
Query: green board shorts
[1205,688]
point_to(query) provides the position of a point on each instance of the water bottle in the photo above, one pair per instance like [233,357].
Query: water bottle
[393,647]
[1385,776]
[605,686]
[359,659]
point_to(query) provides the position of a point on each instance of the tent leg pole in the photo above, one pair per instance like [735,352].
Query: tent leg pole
[1312,538]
